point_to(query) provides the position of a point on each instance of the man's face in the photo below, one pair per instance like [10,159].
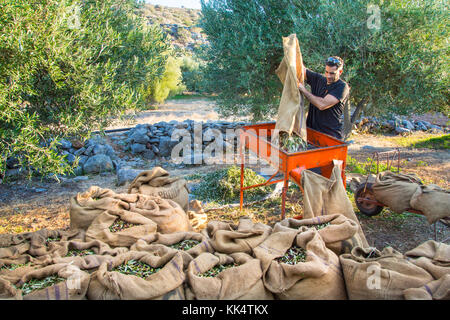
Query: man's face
[332,74]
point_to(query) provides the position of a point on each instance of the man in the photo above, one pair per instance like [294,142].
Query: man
[327,97]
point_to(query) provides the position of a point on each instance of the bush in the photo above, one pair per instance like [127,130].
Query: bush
[66,67]
[170,83]
[224,185]
[192,69]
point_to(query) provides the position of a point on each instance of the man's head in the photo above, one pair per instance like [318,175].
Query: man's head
[333,69]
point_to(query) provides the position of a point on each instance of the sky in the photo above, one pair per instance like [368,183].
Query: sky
[192,4]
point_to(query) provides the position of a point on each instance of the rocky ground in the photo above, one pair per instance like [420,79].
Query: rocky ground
[36,204]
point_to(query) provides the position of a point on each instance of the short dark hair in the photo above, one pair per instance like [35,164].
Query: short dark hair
[333,62]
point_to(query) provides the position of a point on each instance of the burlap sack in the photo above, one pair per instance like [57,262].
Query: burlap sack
[12,239]
[338,235]
[14,269]
[291,111]
[374,275]
[14,251]
[434,290]
[44,241]
[198,219]
[318,278]
[167,240]
[395,190]
[157,183]
[323,196]
[86,206]
[102,253]
[73,288]
[8,291]
[433,201]
[229,238]
[242,282]
[99,228]
[167,214]
[432,256]
[165,284]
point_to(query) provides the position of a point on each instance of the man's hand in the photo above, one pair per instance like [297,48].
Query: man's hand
[301,88]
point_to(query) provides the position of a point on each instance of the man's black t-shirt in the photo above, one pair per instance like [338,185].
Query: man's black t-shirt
[327,121]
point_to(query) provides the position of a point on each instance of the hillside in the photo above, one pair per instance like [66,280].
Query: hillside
[180,24]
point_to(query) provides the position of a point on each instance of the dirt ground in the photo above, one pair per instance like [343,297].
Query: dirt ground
[33,205]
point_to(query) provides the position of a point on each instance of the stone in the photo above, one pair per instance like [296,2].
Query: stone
[65,144]
[80,151]
[402,130]
[138,148]
[98,163]
[89,149]
[149,154]
[165,146]
[70,158]
[80,178]
[126,175]
[140,136]
[408,125]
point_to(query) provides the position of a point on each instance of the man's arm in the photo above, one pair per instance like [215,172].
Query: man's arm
[321,103]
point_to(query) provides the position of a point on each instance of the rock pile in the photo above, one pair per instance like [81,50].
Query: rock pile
[396,125]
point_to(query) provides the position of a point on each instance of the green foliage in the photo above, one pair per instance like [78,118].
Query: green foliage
[369,166]
[66,67]
[401,67]
[192,69]
[223,185]
[427,142]
[168,85]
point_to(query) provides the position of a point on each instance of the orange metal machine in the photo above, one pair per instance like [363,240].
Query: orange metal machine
[257,138]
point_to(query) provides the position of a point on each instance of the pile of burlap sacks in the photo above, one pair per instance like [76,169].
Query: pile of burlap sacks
[339,263]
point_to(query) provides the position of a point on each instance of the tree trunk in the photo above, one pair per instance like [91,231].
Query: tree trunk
[359,108]
[347,121]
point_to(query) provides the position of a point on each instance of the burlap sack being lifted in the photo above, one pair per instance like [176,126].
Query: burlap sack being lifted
[323,196]
[242,282]
[434,290]
[318,278]
[395,190]
[74,288]
[166,284]
[291,111]
[102,253]
[99,229]
[433,201]
[339,235]
[166,240]
[156,182]
[86,206]
[374,275]
[432,256]
[229,238]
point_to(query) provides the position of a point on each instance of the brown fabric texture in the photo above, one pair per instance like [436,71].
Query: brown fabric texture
[291,111]
[167,283]
[10,270]
[395,190]
[166,240]
[318,278]
[434,290]
[74,288]
[229,238]
[339,235]
[44,241]
[433,201]
[158,183]
[8,291]
[323,196]
[242,282]
[86,206]
[167,214]
[374,275]
[99,229]
[102,253]
[198,219]
[432,256]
